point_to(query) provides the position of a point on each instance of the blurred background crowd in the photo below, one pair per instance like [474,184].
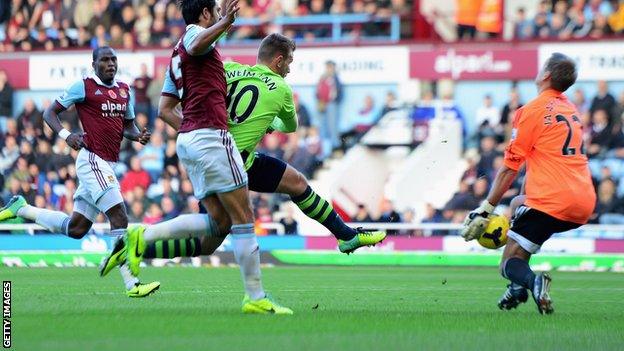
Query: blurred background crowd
[50,24]
[40,166]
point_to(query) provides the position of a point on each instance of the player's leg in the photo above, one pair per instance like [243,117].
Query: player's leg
[201,242]
[530,229]
[54,221]
[246,249]
[515,293]
[247,252]
[271,175]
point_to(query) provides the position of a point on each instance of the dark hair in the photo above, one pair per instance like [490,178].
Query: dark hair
[275,44]
[192,9]
[96,51]
[562,71]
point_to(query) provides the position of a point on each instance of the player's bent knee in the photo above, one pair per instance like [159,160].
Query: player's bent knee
[117,216]
[77,231]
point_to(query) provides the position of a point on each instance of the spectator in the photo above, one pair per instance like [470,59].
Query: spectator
[10,154]
[523,28]
[141,100]
[408,217]
[171,162]
[579,100]
[432,215]
[511,107]
[466,18]
[302,112]
[298,155]
[603,101]
[143,24]
[329,96]
[6,100]
[116,37]
[272,146]
[136,212]
[30,116]
[488,115]
[601,133]
[135,177]
[291,227]
[616,20]
[155,87]
[480,189]
[489,20]
[463,199]
[390,104]
[366,118]
[388,215]
[362,215]
[169,208]
[594,8]
[609,207]
[154,214]
[488,153]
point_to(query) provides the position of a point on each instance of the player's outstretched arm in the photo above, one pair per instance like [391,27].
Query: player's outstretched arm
[50,116]
[168,111]
[211,34]
[132,132]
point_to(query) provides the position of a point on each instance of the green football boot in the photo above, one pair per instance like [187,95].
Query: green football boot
[362,238]
[135,246]
[116,257]
[265,305]
[143,290]
[10,210]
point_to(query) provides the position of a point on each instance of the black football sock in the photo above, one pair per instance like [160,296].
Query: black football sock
[323,212]
[518,271]
[173,248]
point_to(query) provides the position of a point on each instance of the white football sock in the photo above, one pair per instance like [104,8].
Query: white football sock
[54,221]
[182,227]
[129,280]
[247,254]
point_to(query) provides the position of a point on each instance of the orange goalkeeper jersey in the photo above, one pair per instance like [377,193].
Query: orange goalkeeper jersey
[548,135]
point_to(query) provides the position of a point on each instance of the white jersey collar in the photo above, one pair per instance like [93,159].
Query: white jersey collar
[99,81]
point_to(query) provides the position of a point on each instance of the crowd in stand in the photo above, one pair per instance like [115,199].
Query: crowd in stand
[602,117]
[553,19]
[562,20]
[52,24]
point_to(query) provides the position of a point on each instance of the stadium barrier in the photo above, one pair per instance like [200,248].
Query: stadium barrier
[337,24]
[592,247]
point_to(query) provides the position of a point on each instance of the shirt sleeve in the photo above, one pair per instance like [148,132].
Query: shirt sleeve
[169,87]
[74,94]
[523,137]
[191,35]
[130,109]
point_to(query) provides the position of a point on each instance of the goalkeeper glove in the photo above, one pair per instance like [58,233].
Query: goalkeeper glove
[476,221]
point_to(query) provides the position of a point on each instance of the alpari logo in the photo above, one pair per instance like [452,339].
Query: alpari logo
[108,106]
[457,64]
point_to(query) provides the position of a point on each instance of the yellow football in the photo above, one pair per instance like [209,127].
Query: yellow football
[495,234]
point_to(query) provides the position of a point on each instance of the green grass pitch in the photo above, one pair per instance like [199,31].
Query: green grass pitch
[336,308]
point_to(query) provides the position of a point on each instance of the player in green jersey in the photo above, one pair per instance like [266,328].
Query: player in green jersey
[259,100]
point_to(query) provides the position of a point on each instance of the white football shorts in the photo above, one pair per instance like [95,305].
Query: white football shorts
[212,161]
